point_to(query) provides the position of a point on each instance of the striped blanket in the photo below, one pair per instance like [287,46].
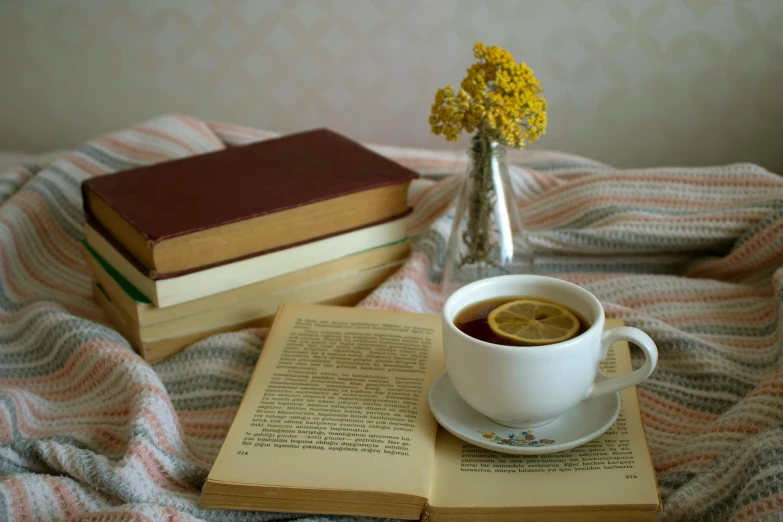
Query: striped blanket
[89,431]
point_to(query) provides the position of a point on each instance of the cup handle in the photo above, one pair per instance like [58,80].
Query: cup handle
[640,339]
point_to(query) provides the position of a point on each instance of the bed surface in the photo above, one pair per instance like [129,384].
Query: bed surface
[692,256]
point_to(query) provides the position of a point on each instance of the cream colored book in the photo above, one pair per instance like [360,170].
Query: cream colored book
[209,281]
[143,312]
[335,420]
[266,305]
[157,350]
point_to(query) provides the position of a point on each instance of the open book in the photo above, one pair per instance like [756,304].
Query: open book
[335,420]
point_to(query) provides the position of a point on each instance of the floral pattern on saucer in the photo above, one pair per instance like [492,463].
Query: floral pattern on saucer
[525,439]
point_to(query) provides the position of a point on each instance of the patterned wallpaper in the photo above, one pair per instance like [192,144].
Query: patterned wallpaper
[631,83]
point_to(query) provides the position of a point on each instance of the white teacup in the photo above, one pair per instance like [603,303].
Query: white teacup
[528,386]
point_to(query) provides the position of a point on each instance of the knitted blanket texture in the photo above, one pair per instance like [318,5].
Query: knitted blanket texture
[693,256]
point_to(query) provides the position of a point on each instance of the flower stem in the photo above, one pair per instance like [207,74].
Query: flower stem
[481,199]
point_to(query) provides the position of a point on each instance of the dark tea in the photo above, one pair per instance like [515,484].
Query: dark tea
[472,320]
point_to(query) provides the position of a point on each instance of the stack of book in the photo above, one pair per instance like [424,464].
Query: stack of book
[211,243]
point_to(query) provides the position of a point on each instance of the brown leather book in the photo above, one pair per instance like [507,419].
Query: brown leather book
[211,208]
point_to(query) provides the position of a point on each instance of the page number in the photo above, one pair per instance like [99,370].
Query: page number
[631,476]
[245,453]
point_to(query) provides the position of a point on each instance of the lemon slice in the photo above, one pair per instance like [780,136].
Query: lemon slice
[533,322]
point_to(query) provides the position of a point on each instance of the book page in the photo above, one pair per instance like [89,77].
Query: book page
[338,400]
[613,469]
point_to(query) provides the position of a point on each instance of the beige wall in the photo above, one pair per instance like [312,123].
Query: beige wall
[632,83]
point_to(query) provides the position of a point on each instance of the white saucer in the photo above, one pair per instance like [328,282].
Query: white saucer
[582,423]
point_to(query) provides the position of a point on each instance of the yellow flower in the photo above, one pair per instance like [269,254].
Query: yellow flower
[498,97]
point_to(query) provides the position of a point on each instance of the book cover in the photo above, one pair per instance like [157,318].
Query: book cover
[205,209]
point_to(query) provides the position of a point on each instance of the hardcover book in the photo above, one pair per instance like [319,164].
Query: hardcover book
[211,208]
[335,420]
[142,312]
[159,349]
[190,286]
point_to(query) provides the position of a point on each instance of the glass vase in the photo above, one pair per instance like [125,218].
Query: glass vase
[488,237]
